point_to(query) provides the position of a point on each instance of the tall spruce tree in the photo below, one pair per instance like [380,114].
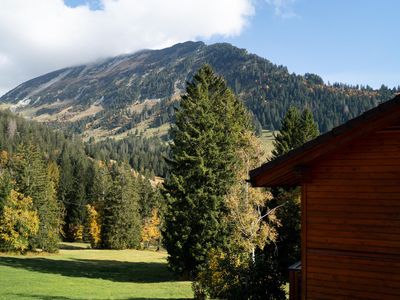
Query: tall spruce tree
[101,184]
[296,130]
[66,188]
[289,135]
[209,124]
[121,219]
[33,179]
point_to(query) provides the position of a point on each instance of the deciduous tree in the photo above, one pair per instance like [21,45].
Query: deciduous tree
[19,222]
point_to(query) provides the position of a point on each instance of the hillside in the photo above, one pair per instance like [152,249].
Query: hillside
[145,155]
[134,93]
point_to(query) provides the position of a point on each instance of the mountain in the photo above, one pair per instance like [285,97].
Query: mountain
[138,92]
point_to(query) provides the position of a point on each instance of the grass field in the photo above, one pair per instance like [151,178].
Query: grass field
[79,273]
[267,139]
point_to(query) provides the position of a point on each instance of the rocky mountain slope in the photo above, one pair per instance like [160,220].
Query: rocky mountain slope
[138,92]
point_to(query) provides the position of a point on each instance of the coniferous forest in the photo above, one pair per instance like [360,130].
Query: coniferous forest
[72,191]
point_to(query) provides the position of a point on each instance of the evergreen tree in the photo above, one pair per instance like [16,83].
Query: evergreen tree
[121,227]
[296,130]
[308,128]
[5,187]
[288,137]
[235,273]
[100,186]
[51,224]
[33,179]
[65,190]
[77,212]
[73,191]
[209,124]
[149,198]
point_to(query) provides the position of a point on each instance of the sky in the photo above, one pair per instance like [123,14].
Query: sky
[350,41]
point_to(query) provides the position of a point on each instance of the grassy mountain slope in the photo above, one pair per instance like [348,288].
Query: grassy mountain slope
[132,93]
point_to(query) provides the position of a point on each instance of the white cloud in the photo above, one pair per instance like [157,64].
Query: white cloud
[283,8]
[43,35]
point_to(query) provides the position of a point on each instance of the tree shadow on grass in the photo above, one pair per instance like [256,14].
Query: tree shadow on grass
[117,271]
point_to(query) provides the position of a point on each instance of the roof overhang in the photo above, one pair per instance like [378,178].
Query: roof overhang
[291,169]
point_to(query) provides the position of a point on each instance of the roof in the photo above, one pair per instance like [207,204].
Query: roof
[288,169]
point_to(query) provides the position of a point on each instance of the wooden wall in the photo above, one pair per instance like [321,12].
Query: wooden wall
[351,222]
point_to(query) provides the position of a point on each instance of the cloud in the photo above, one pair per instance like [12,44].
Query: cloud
[283,8]
[43,35]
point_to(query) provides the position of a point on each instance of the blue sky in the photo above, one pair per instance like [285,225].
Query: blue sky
[353,41]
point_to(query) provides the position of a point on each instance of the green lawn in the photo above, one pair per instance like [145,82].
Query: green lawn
[79,273]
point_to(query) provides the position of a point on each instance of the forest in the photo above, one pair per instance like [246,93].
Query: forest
[75,191]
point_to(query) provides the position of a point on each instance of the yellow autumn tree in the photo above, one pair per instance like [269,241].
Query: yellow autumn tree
[93,226]
[247,206]
[18,222]
[151,229]
[4,157]
[227,270]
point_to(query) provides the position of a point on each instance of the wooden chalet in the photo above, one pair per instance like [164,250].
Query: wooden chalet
[350,179]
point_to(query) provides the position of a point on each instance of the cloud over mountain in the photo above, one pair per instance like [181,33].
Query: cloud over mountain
[43,35]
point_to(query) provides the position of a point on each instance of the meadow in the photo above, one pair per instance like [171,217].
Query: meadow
[77,272]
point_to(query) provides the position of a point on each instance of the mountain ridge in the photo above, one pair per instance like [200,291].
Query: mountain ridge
[118,95]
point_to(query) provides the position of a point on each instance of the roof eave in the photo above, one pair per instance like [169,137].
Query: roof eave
[276,173]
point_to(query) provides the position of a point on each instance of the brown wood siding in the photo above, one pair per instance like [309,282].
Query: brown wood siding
[352,224]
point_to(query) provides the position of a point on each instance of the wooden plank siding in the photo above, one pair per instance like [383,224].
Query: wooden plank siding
[351,221]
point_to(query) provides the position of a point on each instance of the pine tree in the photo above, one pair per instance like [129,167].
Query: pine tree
[100,185]
[233,273]
[77,212]
[51,224]
[5,187]
[296,130]
[288,137]
[208,129]
[121,226]
[73,191]
[149,197]
[33,179]
[308,127]
[65,190]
